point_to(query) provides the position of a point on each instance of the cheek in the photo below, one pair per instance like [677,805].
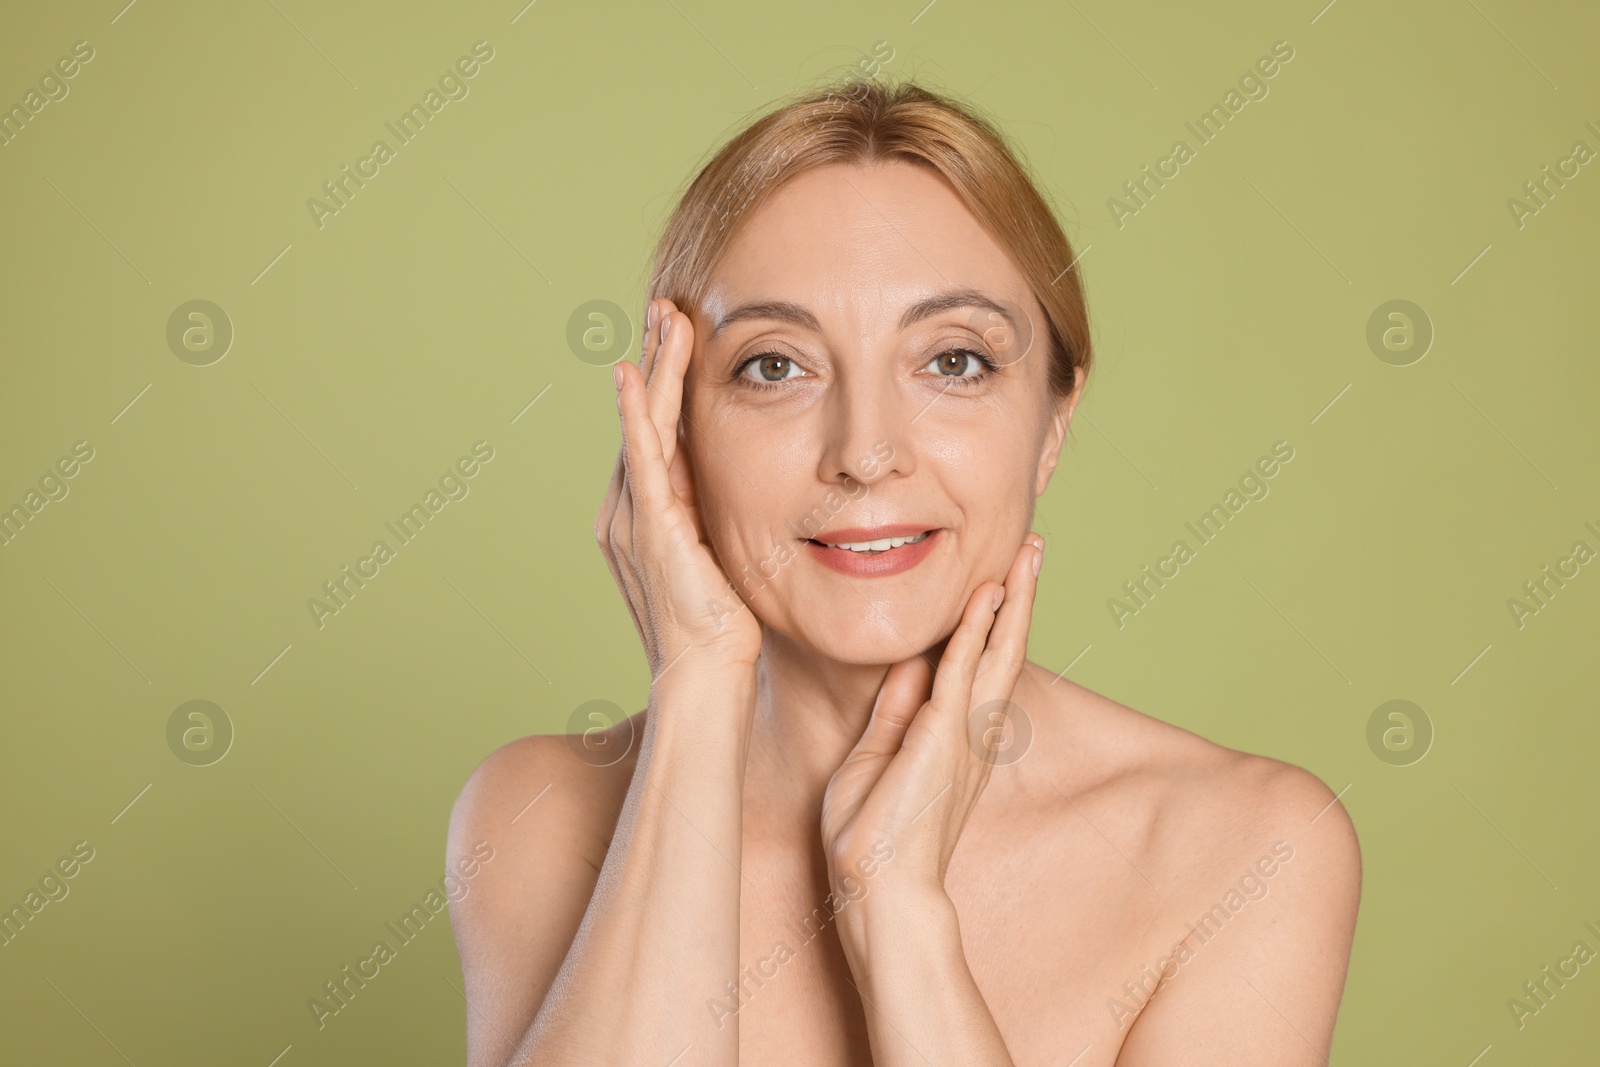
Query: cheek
[988,472]
[723,511]
[745,496]
[988,467]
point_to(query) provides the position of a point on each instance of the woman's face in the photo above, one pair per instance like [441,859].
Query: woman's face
[838,394]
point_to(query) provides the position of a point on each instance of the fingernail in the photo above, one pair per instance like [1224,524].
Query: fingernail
[616,376]
[998,597]
[666,328]
[650,316]
[1038,560]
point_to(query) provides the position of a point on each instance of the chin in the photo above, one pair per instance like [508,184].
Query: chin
[857,633]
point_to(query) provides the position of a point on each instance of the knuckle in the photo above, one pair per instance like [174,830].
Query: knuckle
[841,851]
[1000,656]
[614,538]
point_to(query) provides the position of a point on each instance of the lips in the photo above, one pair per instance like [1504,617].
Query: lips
[866,558]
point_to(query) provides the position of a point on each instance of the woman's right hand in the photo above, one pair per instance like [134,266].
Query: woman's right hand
[649,526]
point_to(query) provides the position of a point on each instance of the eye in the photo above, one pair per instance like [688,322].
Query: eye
[962,364]
[769,368]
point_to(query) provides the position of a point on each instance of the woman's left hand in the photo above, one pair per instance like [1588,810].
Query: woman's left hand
[895,808]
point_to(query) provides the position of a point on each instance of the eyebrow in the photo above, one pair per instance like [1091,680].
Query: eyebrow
[787,311]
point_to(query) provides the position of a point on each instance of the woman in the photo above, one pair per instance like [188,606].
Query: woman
[854,824]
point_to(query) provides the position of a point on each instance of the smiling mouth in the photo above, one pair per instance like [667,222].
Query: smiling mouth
[874,551]
[872,548]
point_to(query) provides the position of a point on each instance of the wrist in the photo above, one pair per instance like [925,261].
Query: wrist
[700,672]
[907,905]
[907,922]
[702,698]
[710,663]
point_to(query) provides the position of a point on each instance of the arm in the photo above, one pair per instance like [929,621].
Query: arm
[629,981]
[902,798]
[921,1002]
[565,963]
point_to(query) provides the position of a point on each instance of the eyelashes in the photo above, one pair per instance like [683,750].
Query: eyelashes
[740,377]
[969,380]
[954,381]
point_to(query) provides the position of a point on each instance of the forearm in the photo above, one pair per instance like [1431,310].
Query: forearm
[921,1003]
[661,933]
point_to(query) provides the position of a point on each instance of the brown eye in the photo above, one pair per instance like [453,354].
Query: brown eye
[957,363]
[772,367]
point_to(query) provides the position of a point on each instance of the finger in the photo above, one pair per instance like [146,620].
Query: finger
[613,523]
[952,683]
[622,528]
[904,691]
[618,542]
[666,377]
[622,573]
[650,349]
[614,532]
[608,504]
[656,313]
[1007,648]
[650,346]
[651,336]
[646,482]
[615,487]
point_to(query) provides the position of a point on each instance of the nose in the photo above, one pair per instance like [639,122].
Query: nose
[868,427]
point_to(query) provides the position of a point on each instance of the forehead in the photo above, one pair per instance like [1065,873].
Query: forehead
[852,242]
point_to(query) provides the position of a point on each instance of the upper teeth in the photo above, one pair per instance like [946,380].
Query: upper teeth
[880,546]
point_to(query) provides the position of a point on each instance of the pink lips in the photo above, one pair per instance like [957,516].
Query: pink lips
[872,564]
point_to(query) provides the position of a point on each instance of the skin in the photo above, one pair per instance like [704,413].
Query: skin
[804,724]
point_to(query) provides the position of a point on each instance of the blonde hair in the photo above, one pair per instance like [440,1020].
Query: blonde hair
[862,122]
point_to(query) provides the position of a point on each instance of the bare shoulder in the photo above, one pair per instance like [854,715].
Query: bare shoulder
[1202,808]
[1254,882]
[538,814]
[563,790]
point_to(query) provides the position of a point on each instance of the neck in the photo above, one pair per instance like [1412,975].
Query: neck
[810,711]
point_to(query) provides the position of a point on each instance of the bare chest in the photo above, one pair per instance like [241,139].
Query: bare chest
[1054,940]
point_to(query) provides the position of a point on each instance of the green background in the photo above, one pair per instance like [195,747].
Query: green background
[1231,312]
